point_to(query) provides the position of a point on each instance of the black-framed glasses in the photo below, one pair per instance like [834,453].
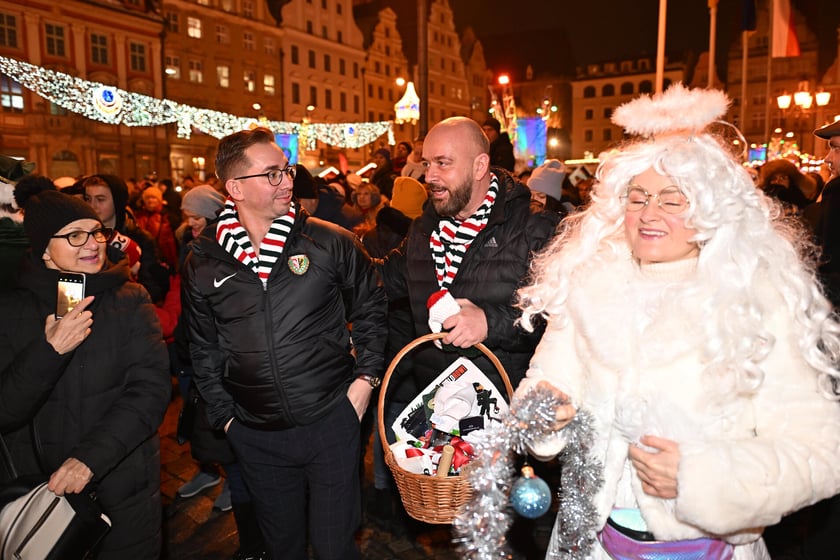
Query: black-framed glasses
[80,238]
[275,176]
[670,199]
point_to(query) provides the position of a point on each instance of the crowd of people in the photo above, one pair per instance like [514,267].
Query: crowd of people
[671,298]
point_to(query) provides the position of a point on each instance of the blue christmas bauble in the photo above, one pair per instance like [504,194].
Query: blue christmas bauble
[530,496]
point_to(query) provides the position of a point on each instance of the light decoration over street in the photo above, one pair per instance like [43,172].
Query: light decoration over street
[407,109]
[112,105]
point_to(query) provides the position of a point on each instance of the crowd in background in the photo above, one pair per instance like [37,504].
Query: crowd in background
[153,224]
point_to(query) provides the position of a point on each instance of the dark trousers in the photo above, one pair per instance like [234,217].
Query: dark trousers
[318,463]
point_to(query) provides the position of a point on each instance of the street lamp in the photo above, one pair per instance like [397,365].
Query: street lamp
[803,100]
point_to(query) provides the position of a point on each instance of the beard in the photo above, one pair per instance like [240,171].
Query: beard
[457,200]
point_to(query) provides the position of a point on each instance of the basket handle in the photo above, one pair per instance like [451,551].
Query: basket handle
[383,388]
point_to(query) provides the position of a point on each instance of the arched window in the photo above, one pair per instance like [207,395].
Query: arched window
[627,88]
[589,91]
[646,87]
[608,90]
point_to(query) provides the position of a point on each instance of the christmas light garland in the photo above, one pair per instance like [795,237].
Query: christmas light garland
[481,529]
[112,105]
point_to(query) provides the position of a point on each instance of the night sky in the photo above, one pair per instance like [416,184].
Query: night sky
[556,36]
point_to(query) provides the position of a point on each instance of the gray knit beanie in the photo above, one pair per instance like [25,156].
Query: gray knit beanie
[203,200]
[548,178]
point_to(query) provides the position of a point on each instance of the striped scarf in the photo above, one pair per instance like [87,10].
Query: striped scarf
[234,239]
[452,238]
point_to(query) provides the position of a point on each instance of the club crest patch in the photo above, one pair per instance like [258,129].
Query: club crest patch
[299,264]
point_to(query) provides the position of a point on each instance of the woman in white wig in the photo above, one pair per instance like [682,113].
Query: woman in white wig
[683,319]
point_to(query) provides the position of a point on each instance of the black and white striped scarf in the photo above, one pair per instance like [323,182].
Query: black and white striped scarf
[233,238]
[450,241]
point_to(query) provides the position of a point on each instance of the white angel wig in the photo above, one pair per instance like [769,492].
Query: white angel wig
[741,239]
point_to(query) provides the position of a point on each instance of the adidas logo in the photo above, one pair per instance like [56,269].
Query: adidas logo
[492,243]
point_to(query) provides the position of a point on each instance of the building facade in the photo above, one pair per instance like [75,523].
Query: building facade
[115,43]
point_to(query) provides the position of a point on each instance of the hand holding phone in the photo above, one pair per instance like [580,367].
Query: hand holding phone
[67,333]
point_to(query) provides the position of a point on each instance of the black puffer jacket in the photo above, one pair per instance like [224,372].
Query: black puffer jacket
[281,356]
[494,267]
[101,403]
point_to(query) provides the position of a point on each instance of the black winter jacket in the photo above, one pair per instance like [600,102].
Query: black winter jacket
[281,356]
[101,404]
[494,267]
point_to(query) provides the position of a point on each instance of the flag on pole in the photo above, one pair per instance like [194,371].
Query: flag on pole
[784,39]
[748,22]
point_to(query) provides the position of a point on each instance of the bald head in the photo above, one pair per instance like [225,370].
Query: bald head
[466,132]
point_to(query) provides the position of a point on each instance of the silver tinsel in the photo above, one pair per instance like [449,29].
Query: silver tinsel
[481,529]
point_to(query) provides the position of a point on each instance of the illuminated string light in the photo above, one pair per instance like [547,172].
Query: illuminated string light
[112,105]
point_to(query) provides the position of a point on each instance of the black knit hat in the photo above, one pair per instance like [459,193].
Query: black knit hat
[46,210]
[304,184]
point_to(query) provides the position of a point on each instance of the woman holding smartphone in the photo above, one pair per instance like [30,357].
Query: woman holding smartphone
[99,373]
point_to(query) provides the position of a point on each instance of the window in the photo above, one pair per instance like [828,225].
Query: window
[11,95]
[370,90]
[339,36]
[377,67]
[268,46]
[227,5]
[342,101]
[442,90]
[248,8]
[55,39]
[607,134]
[387,50]
[194,27]
[646,87]
[338,8]
[223,76]
[312,59]
[172,22]
[608,90]
[98,49]
[250,78]
[342,67]
[589,91]
[173,67]
[327,63]
[248,41]
[268,84]
[295,93]
[356,104]
[8,31]
[196,71]
[390,95]
[355,69]
[57,110]
[608,112]
[627,88]
[324,33]
[587,135]
[313,95]
[380,92]
[387,69]
[328,98]
[324,4]
[309,27]
[295,55]
[222,34]
[137,57]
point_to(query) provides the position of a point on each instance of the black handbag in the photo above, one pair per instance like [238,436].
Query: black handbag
[35,524]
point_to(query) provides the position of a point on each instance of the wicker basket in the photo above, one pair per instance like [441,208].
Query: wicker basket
[430,499]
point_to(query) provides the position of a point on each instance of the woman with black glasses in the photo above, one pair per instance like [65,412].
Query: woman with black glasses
[99,373]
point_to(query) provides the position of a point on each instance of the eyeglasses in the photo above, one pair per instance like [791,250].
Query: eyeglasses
[275,176]
[80,238]
[670,199]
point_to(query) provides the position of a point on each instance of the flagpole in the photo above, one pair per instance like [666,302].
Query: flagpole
[712,39]
[660,46]
[769,69]
[744,60]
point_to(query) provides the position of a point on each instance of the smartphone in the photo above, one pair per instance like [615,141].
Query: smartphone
[71,290]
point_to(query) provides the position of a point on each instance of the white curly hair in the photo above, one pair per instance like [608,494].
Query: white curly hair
[740,231]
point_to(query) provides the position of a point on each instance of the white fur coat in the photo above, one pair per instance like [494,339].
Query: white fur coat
[630,355]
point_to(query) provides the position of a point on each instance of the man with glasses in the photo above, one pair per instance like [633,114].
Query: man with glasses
[269,292]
